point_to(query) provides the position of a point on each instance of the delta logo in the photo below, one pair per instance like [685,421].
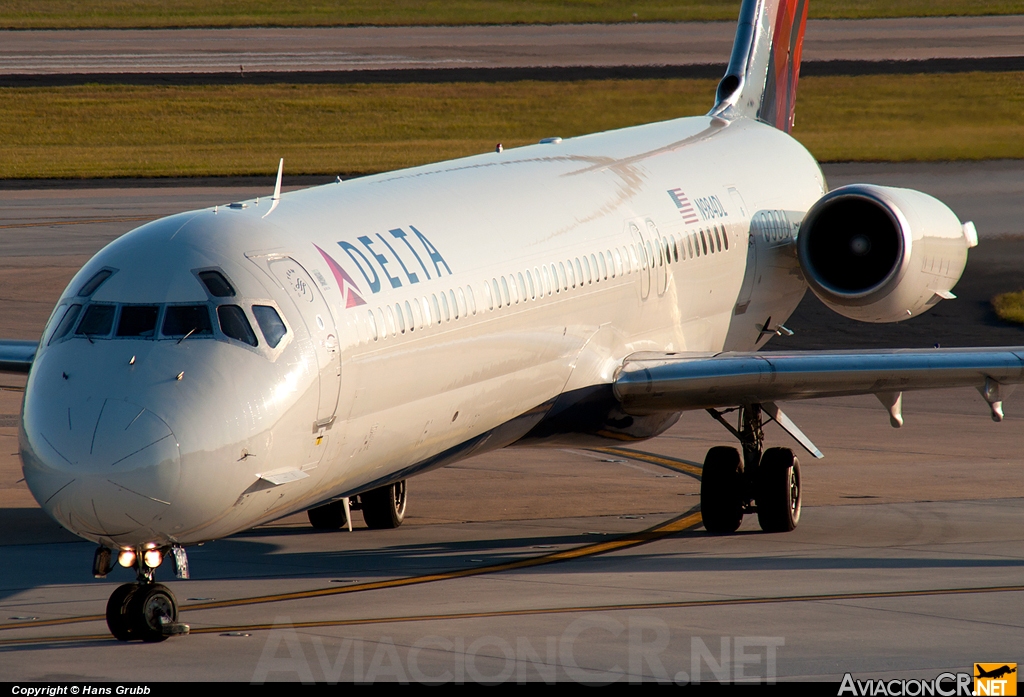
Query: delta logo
[995,679]
[390,261]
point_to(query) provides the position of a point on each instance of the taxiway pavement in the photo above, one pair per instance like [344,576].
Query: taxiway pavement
[296,50]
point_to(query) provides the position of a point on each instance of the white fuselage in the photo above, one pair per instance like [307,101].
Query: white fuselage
[470,305]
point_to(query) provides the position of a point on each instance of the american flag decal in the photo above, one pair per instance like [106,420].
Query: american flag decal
[684,206]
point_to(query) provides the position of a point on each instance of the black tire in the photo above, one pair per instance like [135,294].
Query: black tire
[328,517]
[151,607]
[119,619]
[778,492]
[384,508]
[721,491]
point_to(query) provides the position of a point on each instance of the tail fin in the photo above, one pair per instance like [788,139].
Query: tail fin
[765,64]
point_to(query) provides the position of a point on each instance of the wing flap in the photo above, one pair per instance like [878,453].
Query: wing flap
[17,356]
[651,383]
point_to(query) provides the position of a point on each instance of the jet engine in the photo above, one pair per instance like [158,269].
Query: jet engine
[881,254]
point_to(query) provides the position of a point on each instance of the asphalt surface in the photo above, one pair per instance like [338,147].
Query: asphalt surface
[909,559]
[983,42]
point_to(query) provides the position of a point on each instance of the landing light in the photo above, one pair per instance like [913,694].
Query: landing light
[126,558]
[153,558]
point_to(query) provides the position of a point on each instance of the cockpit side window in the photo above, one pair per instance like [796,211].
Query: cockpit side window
[95,282]
[235,325]
[270,323]
[138,321]
[66,323]
[97,321]
[217,284]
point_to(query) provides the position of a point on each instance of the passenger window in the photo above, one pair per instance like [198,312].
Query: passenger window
[497,291]
[617,267]
[391,320]
[215,282]
[470,300]
[547,280]
[513,289]
[488,295]
[426,312]
[454,304]
[180,320]
[504,291]
[522,285]
[412,315]
[604,267]
[400,318]
[270,323]
[579,272]
[235,325]
[444,305]
[97,321]
[95,282]
[718,239]
[725,237]
[373,325]
[533,290]
[437,310]
[461,305]
[66,323]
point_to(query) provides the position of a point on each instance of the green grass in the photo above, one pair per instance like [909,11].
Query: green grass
[107,131]
[1010,306]
[36,14]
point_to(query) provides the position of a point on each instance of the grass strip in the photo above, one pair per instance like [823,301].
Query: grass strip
[79,14]
[150,131]
[1010,306]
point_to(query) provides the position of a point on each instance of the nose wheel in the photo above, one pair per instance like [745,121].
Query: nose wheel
[143,611]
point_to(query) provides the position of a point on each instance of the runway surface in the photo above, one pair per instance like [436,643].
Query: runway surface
[183,51]
[570,564]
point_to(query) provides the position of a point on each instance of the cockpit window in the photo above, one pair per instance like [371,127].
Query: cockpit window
[215,282]
[138,321]
[270,324]
[191,320]
[97,321]
[235,325]
[66,323]
[95,282]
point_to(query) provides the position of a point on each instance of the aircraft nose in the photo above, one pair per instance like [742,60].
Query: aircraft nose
[103,468]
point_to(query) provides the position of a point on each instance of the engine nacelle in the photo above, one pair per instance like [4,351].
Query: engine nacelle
[881,254]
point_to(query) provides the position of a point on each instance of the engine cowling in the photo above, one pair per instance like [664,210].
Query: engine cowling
[882,254]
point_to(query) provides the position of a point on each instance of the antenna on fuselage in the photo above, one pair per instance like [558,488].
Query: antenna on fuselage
[276,198]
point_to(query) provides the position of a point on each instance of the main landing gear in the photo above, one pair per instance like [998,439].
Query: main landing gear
[766,482]
[144,610]
[382,508]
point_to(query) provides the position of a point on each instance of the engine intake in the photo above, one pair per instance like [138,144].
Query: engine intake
[881,254]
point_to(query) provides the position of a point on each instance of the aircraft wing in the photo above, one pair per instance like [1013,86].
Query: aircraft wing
[649,383]
[17,356]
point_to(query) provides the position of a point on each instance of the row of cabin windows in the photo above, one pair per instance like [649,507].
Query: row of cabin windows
[556,278]
[419,313]
[105,321]
[696,244]
[531,284]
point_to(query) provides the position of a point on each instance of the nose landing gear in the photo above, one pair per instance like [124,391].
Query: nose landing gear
[144,610]
[765,482]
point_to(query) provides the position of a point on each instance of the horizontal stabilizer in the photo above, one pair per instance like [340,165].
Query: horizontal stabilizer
[17,356]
